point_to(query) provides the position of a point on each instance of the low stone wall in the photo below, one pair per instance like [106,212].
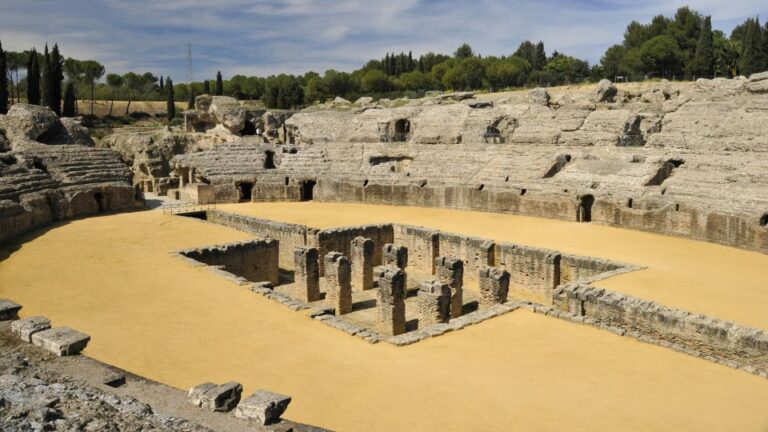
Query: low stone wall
[575,268]
[423,246]
[722,341]
[290,236]
[340,240]
[255,261]
[476,252]
[534,272]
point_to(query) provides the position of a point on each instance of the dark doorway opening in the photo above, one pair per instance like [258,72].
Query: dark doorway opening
[402,129]
[100,202]
[269,159]
[249,129]
[245,190]
[764,220]
[585,208]
[308,190]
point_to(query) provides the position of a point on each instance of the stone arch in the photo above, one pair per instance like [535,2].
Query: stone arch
[401,130]
[101,202]
[269,160]
[308,190]
[245,191]
[764,219]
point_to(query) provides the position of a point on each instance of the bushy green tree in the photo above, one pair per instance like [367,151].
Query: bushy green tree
[92,71]
[114,81]
[568,69]
[376,81]
[206,87]
[753,55]
[661,55]
[464,51]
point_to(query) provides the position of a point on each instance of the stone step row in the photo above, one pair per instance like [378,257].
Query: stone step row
[263,406]
[62,341]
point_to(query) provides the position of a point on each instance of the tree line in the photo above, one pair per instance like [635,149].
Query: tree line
[683,46]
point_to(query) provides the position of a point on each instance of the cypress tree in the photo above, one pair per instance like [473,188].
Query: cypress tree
[705,55]
[171,102]
[57,75]
[69,100]
[3,82]
[206,87]
[191,100]
[33,79]
[219,84]
[162,84]
[47,87]
[540,57]
[752,58]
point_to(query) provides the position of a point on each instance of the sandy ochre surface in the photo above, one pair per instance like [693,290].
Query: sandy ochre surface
[156,315]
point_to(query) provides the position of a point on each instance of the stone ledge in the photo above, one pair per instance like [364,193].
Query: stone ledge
[62,341]
[9,310]
[27,327]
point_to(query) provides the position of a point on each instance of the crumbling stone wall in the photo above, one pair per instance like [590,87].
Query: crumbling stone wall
[476,253]
[340,239]
[423,246]
[534,272]
[722,340]
[256,260]
[575,268]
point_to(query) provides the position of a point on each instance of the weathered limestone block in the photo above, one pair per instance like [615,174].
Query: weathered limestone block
[395,255]
[494,286]
[538,96]
[222,398]
[390,301]
[758,82]
[338,282]
[433,302]
[9,310]
[62,341]
[307,273]
[26,327]
[28,121]
[451,271]
[263,406]
[606,91]
[362,251]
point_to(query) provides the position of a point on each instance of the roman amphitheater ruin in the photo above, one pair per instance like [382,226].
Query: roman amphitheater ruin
[573,258]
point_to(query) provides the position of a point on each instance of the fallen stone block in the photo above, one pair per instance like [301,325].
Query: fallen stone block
[263,406]
[9,310]
[26,327]
[222,398]
[62,341]
[115,380]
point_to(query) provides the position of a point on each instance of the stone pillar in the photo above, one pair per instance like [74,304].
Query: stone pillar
[338,287]
[433,302]
[395,256]
[390,302]
[362,250]
[451,271]
[307,273]
[494,286]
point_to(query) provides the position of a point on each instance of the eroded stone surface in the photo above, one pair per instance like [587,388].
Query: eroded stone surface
[222,397]
[27,327]
[62,341]
[263,406]
[9,310]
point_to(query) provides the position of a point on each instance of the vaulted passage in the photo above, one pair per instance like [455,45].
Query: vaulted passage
[585,208]
[402,129]
[560,163]
[245,190]
[269,160]
[308,190]
[100,202]
[664,172]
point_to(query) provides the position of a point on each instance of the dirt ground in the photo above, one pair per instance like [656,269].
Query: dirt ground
[154,314]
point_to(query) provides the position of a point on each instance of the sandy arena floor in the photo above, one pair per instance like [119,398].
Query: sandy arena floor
[154,314]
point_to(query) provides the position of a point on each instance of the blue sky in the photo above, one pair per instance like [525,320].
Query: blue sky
[261,37]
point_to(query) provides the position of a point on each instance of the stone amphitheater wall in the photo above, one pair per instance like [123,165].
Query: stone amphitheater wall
[722,341]
[672,219]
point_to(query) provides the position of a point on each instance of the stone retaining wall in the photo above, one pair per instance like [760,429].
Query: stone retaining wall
[712,338]
[255,260]
[340,239]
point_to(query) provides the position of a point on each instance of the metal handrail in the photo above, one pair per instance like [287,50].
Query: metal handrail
[187,207]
